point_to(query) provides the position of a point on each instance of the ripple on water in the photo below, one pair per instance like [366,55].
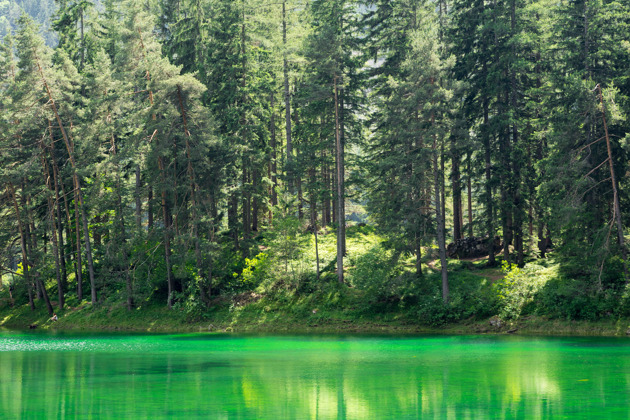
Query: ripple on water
[26,343]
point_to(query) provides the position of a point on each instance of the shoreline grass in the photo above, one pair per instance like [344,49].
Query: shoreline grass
[158,319]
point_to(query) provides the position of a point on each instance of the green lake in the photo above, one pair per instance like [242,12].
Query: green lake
[311,377]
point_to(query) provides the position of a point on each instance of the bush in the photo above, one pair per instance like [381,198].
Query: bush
[376,273]
[574,300]
[516,292]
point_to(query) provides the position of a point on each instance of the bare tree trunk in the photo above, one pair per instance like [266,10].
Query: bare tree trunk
[79,256]
[316,248]
[167,234]
[298,180]
[613,179]
[66,208]
[469,191]
[82,40]
[516,184]
[287,99]
[440,225]
[340,193]
[53,231]
[57,211]
[342,172]
[488,173]
[150,209]
[138,194]
[274,162]
[457,190]
[25,262]
[418,250]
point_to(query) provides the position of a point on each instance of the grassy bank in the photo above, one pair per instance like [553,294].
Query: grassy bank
[261,317]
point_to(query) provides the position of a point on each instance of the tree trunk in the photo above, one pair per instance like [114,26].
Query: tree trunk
[138,194]
[287,99]
[150,209]
[57,210]
[488,186]
[340,193]
[342,172]
[53,230]
[613,180]
[167,235]
[457,190]
[440,225]
[274,162]
[469,191]
[418,251]
[23,241]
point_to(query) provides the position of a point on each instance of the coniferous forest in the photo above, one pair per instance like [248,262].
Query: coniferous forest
[425,162]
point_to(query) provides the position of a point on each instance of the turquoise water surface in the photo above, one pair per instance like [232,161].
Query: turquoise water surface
[311,377]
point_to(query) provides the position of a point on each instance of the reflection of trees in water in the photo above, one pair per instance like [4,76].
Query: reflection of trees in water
[344,382]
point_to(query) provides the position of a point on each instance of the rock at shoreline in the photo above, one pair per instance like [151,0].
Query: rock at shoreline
[496,322]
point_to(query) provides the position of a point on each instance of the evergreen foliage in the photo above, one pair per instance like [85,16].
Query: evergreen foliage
[182,151]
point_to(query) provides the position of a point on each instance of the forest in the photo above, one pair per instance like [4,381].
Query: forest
[426,162]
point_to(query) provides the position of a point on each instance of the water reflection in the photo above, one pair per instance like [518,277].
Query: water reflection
[266,377]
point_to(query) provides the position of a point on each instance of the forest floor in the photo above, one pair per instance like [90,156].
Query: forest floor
[382,295]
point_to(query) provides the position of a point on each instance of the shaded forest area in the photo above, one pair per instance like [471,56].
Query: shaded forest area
[441,159]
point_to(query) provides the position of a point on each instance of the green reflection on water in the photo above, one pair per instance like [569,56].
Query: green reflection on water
[293,377]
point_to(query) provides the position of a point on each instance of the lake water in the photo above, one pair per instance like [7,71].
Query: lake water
[311,377]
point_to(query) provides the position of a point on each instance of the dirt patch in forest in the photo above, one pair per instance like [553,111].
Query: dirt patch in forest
[246,298]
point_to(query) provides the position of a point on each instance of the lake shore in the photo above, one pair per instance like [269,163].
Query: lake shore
[156,319]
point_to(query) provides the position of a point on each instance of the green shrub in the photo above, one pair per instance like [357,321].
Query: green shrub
[516,292]
[376,273]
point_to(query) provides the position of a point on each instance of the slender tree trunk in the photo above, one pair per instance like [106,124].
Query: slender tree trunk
[31,244]
[298,181]
[613,179]
[488,173]
[82,40]
[326,211]
[53,231]
[440,225]
[57,211]
[516,164]
[586,39]
[316,249]
[418,251]
[274,162]
[23,241]
[66,209]
[138,194]
[167,234]
[340,192]
[255,209]
[150,209]
[443,182]
[457,190]
[43,294]
[79,256]
[469,191]
[287,99]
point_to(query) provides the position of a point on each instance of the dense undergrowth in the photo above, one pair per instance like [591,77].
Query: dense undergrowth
[278,289]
